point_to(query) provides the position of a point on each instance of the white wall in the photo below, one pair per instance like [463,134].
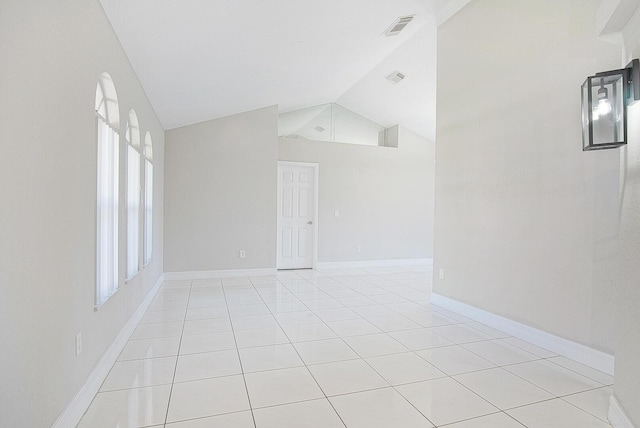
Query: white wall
[384,196]
[627,368]
[52,56]
[627,272]
[526,223]
[220,185]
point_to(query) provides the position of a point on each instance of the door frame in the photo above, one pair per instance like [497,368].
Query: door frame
[316,182]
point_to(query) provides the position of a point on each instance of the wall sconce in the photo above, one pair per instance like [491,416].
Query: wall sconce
[605,98]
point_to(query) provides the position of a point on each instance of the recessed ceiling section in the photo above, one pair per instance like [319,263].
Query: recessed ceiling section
[332,123]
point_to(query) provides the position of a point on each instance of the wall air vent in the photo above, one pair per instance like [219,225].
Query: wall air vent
[397,26]
[395,77]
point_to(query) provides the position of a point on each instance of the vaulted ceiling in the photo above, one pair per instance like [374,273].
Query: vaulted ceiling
[202,59]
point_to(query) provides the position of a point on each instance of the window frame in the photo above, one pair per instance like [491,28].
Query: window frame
[107,190]
[147,233]
[133,189]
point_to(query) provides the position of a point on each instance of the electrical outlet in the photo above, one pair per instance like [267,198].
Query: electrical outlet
[337,213]
[243,254]
[78,343]
[441,273]
[358,248]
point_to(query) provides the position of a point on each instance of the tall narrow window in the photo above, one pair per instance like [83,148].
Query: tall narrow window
[133,195]
[148,198]
[108,122]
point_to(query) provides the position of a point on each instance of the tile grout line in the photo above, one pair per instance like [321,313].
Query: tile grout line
[372,368]
[175,368]
[244,379]
[393,386]
[308,370]
[414,352]
[444,377]
[369,279]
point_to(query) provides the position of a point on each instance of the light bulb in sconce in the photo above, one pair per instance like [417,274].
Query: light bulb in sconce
[604,106]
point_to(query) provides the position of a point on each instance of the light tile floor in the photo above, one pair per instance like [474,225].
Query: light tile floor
[335,348]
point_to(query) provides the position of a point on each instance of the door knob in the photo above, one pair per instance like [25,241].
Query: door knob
[309,222]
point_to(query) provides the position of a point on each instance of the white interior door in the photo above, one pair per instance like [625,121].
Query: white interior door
[296,215]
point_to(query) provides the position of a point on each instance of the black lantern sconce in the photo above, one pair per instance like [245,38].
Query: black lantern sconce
[605,98]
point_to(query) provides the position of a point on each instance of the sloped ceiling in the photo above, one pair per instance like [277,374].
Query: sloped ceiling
[203,59]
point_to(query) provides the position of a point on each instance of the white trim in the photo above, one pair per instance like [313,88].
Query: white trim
[209,274]
[316,193]
[583,354]
[373,263]
[71,416]
[617,416]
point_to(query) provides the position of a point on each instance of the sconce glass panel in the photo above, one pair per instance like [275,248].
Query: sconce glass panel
[603,110]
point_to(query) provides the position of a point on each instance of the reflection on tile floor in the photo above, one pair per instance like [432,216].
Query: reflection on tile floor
[335,348]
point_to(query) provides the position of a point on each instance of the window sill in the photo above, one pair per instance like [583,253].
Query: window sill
[99,305]
[131,278]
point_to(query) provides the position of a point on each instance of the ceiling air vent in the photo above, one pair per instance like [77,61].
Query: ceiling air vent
[395,77]
[397,26]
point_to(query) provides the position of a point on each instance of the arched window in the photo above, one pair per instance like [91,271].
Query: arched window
[148,198]
[108,122]
[132,135]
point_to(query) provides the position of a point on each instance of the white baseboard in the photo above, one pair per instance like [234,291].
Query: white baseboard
[209,274]
[373,263]
[583,354]
[71,416]
[617,416]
